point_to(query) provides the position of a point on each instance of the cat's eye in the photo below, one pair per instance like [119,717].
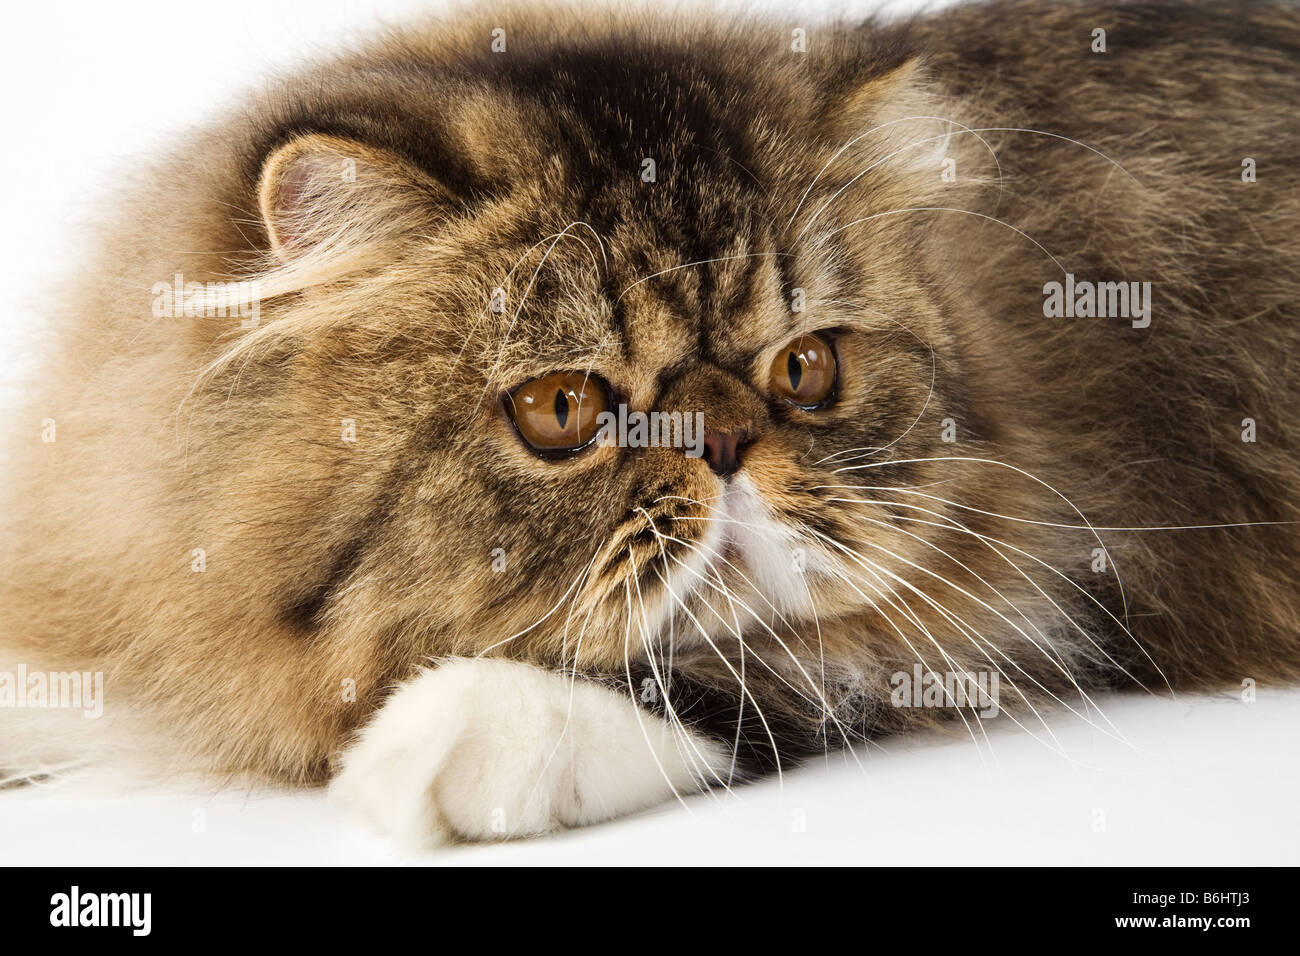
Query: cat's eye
[803,373]
[556,414]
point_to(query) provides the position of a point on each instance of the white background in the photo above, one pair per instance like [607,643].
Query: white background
[1193,780]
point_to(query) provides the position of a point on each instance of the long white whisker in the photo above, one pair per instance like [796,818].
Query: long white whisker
[822,237]
[825,704]
[921,142]
[952,524]
[966,631]
[543,618]
[884,594]
[532,280]
[1119,581]
[1056,661]
[636,709]
[957,618]
[674,720]
[903,119]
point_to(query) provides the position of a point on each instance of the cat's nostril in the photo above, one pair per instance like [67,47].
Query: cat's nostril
[722,451]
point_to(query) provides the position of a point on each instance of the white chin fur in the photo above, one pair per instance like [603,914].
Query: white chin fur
[776,559]
[479,749]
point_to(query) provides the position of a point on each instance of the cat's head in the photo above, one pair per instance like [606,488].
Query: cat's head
[471,264]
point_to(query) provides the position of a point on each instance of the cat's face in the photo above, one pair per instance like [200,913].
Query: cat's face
[654,270]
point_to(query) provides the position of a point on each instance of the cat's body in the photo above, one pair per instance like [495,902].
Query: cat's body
[256,534]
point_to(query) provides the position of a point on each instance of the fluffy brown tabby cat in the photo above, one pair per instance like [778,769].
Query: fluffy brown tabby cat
[369,533]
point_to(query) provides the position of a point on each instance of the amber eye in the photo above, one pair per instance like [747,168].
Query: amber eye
[556,414]
[803,373]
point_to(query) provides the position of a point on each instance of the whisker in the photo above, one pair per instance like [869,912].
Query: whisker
[1040,132]
[1057,661]
[544,617]
[948,523]
[524,299]
[636,709]
[744,692]
[673,717]
[889,597]
[822,237]
[789,653]
[884,159]
[1119,581]
[903,119]
[965,625]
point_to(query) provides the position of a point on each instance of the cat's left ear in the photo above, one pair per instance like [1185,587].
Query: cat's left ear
[319,192]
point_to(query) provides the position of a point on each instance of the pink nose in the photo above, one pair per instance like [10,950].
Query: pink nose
[722,451]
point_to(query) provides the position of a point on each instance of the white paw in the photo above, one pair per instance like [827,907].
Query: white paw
[490,749]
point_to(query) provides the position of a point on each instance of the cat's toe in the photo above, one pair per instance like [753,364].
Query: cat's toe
[490,749]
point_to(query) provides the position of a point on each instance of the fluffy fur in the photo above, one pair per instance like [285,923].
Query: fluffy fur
[381,200]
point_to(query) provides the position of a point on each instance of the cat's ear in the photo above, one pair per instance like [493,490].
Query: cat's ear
[317,192]
[895,116]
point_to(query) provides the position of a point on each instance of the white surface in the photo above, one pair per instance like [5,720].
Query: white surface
[1200,781]
[1208,780]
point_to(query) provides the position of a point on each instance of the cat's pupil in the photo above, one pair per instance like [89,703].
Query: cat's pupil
[794,369]
[561,407]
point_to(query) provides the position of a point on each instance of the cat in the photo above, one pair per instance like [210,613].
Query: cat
[989,317]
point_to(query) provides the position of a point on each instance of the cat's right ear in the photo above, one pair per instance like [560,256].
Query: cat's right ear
[896,114]
[319,192]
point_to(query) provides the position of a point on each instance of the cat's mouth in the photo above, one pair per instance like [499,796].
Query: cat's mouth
[748,565]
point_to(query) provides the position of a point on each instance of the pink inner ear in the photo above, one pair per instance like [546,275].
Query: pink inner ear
[295,195]
[317,191]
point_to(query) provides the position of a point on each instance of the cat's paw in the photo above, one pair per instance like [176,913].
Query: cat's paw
[491,749]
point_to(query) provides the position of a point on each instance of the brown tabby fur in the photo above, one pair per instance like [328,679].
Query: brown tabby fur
[330,562]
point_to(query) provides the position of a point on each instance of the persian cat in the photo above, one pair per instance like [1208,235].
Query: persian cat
[536,414]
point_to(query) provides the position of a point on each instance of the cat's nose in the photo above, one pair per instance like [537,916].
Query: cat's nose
[722,451]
